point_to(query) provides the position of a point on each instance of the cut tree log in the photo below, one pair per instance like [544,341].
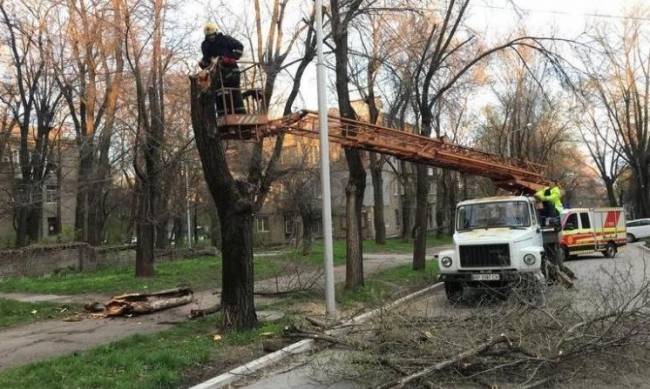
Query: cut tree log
[143,303]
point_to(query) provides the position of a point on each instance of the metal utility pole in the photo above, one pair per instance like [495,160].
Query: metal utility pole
[330,303]
[187,206]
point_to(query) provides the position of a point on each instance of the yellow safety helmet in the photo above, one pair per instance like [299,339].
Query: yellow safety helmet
[210,28]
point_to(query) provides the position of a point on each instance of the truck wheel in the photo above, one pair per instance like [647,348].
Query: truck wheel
[610,251]
[454,292]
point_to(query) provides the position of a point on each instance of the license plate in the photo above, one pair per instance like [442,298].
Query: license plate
[486,277]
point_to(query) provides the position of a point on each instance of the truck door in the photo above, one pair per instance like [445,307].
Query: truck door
[587,239]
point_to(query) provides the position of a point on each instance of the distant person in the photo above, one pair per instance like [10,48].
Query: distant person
[225,51]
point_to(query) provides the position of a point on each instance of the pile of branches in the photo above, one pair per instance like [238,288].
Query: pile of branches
[497,344]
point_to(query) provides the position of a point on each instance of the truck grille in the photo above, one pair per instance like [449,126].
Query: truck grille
[485,255]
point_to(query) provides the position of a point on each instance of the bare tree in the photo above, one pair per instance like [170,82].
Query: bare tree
[36,103]
[89,73]
[149,88]
[343,12]
[615,89]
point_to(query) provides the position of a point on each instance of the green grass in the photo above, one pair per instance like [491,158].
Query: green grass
[161,360]
[393,245]
[199,273]
[17,312]
[384,285]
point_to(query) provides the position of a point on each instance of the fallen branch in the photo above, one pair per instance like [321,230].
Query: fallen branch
[143,303]
[444,364]
[196,313]
[316,322]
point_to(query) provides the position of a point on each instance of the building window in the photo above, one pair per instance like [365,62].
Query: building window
[51,194]
[398,219]
[52,225]
[262,224]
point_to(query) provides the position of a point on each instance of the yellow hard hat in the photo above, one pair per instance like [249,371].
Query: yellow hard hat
[210,28]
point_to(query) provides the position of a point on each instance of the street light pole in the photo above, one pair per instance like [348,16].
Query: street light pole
[330,303]
[187,206]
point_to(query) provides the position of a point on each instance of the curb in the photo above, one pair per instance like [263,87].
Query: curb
[303,345]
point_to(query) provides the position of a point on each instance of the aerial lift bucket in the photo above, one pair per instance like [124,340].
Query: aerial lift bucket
[243,110]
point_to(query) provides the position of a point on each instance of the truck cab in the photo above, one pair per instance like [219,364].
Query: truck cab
[497,241]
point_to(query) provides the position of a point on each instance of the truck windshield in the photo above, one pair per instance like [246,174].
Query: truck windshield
[509,214]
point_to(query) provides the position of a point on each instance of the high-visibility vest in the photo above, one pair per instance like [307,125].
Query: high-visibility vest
[555,197]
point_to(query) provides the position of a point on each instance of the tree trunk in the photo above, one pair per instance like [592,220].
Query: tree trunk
[35,215]
[357,178]
[408,200]
[162,237]
[237,251]
[452,190]
[378,195]
[441,202]
[611,192]
[235,206]
[145,231]
[215,229]
[353,264]
[307,231]
[21,214]
[83,189]
[421,216]
[642,190]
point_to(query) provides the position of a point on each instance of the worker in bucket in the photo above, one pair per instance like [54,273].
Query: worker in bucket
[224,51]
[551,198]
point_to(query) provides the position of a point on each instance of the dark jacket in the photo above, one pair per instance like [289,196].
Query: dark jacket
[222,46]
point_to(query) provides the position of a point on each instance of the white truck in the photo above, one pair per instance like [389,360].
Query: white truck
[497,241]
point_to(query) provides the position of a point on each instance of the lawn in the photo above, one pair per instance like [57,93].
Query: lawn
[387,284]
[393,245]
[17,312]
[161,360]
[198,273]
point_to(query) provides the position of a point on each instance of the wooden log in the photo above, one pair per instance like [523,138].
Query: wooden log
[196,313]
[143,303]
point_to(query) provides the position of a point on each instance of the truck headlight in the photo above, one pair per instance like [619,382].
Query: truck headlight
[446,261]
[529,259]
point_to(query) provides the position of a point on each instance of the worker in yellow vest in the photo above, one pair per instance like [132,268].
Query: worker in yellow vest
[551,198]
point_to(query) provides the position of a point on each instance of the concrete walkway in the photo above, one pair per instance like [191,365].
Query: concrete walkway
[46,339]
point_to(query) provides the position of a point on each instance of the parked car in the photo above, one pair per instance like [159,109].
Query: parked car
[638,229]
